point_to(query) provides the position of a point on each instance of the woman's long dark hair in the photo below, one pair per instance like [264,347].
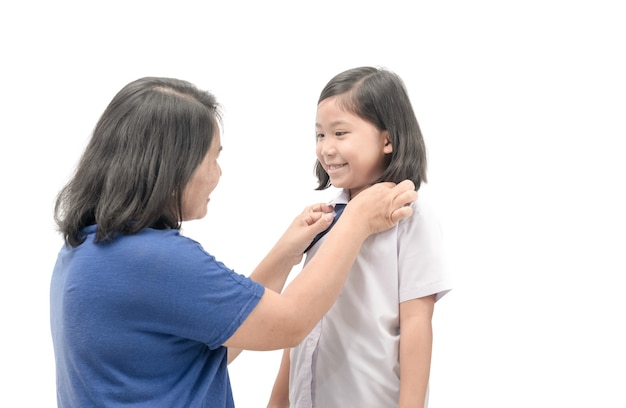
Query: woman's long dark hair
[143,151]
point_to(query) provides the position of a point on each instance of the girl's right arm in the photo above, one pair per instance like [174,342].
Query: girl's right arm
[280,392]
[282,320]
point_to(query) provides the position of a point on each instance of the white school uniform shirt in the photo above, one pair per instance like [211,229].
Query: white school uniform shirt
[351,358]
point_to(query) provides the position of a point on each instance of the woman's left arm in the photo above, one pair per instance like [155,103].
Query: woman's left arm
[416,341]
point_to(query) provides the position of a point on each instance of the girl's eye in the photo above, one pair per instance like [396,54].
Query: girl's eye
[340,133]
[319,135]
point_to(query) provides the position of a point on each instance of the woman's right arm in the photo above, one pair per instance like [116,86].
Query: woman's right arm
[282,320]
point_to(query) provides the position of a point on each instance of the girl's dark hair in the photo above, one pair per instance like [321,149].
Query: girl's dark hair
[143,151]
[380,97]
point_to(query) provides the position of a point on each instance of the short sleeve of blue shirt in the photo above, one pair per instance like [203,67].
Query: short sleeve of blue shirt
[196,296]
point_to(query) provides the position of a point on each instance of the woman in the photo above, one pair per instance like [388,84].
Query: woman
[143,316]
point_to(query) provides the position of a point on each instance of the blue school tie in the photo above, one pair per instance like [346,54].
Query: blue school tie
[338,210]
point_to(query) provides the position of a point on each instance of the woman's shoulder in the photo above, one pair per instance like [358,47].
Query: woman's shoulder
[161,242]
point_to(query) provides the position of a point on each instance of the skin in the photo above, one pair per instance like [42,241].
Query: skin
[202,183]
[416,340]
[352,151]
[282,319]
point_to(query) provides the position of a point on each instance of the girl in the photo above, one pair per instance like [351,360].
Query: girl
[373,348]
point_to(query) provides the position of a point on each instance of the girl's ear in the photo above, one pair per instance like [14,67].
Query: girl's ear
[387,147]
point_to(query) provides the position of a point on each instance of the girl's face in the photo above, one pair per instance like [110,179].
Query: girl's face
[202,183]
[350,149]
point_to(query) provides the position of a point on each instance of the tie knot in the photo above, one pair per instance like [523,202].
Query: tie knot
[338,210]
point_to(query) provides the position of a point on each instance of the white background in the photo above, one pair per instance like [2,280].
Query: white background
[522,106]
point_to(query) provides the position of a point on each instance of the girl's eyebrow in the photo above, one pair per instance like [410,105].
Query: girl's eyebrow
[334,123]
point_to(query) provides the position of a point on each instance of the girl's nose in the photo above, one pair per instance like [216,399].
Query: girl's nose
[326,147]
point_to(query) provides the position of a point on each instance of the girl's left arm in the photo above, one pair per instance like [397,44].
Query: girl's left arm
[416,341]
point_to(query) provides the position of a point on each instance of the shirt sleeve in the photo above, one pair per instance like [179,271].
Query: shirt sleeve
[421,259]
[198,297]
